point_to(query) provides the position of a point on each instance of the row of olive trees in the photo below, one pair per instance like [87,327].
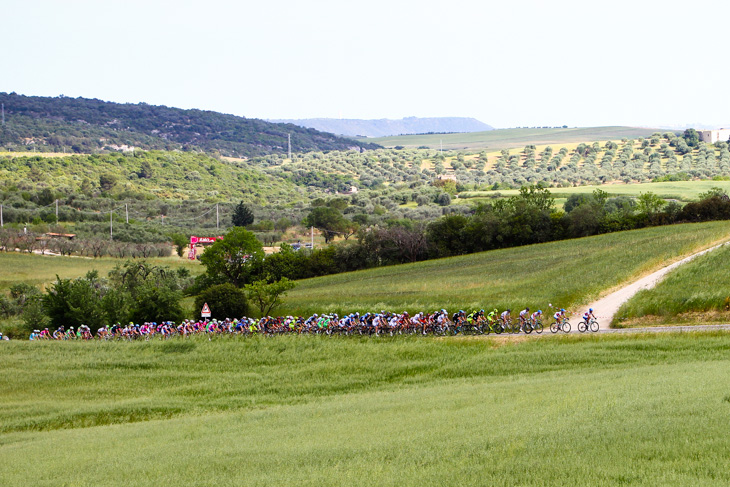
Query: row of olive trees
[30,242]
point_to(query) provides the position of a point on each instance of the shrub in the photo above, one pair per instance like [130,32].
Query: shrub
[224,300]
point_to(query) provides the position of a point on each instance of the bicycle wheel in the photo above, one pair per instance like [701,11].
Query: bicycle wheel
[498,329]
[538,327]
[565,327]
[594,326]
[554,327]
[582,326]
[527,328]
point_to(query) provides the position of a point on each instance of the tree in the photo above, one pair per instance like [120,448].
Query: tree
[106,181]
[229,259]
[145,170]
[242,215]
[691,137]
[327,220]
[649,204]
[224,300]
[267,296]
[181,242]
[157,303]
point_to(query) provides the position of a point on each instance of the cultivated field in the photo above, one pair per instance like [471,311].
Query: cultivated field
[696,292]
[565,273]
[678,190]
[599,410]
[512,138]
[39,270]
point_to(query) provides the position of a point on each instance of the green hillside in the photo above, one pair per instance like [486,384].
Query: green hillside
[512,138]
[696,292]
[82,125]
[566,273]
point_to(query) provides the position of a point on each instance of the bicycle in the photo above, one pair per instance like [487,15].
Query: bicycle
[564,325]
[531,326]
[509,327]
[592,326]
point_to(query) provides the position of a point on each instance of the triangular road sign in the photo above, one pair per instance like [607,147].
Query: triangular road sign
[205,312]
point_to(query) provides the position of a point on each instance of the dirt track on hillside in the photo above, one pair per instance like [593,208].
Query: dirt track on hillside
[605,308]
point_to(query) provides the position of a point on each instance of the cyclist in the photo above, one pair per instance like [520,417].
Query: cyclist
[588,316]
[505,316]
[524,314]
[559,316]
[536,316]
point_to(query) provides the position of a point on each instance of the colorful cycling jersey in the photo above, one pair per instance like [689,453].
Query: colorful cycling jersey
[505,314]
[535,315]
[558,316]
[523,313]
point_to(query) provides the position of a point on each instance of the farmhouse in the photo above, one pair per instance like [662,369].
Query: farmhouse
[712,136]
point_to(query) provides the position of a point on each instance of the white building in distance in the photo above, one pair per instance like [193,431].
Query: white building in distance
[712,136]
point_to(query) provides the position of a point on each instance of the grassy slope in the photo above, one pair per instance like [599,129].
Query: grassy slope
[680,190]
[40,270]
[698,291]
[565,273]
[600,410]
[176,175]
[513,138]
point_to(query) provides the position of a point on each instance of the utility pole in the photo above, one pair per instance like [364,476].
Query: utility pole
[217,220]
[56,212]
[126,211]
[312,238]
[289,135]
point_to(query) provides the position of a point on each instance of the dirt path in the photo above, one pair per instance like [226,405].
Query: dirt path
[606,307]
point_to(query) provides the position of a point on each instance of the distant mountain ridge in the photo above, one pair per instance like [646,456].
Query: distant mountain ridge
[64,124]
[352,127]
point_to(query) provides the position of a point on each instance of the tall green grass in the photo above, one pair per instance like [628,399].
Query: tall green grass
[566,273]
[700,285]
[599,410]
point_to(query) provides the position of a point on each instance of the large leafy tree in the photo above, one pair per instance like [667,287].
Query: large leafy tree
[327,220]
[230,259]
[242,215]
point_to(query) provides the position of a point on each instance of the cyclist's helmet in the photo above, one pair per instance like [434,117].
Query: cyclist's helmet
[590,310]
[527,309]
[539,311]
[509,310]
[562,310]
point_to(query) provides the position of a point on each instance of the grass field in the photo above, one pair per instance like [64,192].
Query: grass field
[599,410]
[696,292]
[39,270]
[679,190]
[566,273]
[513,138]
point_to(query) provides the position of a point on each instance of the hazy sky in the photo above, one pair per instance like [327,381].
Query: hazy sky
[508,63]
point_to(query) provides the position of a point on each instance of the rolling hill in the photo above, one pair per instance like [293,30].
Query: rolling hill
[82,125]
[385,127]
[513,138]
